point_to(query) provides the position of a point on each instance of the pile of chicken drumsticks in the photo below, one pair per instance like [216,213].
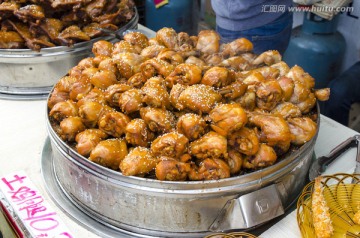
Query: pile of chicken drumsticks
[178,107]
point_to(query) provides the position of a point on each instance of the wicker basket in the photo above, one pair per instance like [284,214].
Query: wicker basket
[231,235]
[342,195]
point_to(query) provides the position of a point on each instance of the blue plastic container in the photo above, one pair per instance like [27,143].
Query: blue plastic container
[177,14]
[318,48]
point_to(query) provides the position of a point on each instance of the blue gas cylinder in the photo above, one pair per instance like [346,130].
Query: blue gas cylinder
[176,14]
[318,48]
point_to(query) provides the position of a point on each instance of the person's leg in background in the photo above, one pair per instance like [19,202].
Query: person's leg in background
[344,91]
[272,36]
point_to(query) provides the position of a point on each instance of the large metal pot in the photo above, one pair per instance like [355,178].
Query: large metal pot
[179,209]
[27,72]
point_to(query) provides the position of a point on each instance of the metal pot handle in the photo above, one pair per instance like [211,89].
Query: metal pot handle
[249,210]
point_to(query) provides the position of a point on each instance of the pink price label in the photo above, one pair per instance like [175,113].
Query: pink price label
[31,207]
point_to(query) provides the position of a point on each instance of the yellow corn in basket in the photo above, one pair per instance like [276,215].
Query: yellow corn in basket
[342,195]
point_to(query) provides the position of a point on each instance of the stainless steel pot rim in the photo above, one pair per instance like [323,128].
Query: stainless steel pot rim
[53,51]
[24,96]
[254,179]
[43,91]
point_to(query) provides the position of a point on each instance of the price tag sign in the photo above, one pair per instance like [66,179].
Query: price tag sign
[30,211]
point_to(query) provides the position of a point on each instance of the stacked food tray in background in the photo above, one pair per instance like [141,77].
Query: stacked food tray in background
[40,42]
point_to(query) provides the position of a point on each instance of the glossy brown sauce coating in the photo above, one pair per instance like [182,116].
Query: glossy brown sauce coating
[160,108]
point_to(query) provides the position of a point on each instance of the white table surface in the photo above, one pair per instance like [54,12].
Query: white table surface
[23,134]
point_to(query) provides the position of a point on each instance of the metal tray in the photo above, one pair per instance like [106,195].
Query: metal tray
[80,215]
[30,75]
